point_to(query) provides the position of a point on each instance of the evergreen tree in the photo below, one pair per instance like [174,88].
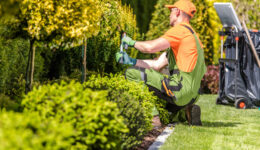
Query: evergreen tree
[56,23]
[143,10]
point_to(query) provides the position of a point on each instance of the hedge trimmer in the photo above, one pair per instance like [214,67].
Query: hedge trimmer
[122,57]
[122,45]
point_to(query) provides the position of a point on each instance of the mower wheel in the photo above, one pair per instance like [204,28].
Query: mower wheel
[241,103]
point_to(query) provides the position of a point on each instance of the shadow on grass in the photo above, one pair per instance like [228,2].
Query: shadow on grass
[220,124]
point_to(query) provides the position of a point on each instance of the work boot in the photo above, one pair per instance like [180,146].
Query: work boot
[193,115]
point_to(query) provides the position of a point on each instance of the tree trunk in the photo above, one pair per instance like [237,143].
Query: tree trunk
[84,61]
[30,67]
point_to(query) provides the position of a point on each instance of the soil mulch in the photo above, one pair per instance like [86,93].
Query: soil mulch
[151,136]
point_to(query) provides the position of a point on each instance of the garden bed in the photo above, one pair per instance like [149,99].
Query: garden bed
[151,136]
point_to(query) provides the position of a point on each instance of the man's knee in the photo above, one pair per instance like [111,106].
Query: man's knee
[135,74]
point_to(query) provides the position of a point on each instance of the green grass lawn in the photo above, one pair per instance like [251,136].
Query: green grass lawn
[224,128]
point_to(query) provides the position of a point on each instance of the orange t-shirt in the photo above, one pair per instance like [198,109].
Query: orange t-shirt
[183,45]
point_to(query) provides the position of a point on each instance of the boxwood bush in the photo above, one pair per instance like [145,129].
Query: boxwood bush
[29,131]
[96,121]
[134,101]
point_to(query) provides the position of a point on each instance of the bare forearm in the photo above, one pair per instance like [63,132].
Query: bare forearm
[148,64]
[145,46]
[152,46]
[158,64]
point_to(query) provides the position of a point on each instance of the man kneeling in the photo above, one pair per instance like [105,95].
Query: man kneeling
[185,60]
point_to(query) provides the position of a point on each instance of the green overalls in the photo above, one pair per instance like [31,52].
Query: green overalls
[180,88]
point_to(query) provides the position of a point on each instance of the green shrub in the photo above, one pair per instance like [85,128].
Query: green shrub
[29,131]
[134,101]
[96,121]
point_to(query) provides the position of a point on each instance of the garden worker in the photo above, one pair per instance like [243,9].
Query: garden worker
[185,60]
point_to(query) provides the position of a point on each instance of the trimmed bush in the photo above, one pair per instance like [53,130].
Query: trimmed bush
[134,101]
[29,131]
[96,121]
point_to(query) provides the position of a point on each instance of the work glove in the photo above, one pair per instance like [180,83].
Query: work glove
[123,58]
[127,40]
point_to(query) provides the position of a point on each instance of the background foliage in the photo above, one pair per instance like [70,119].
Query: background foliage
[248,10]
[143,10]
[13,61]
[8,104]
